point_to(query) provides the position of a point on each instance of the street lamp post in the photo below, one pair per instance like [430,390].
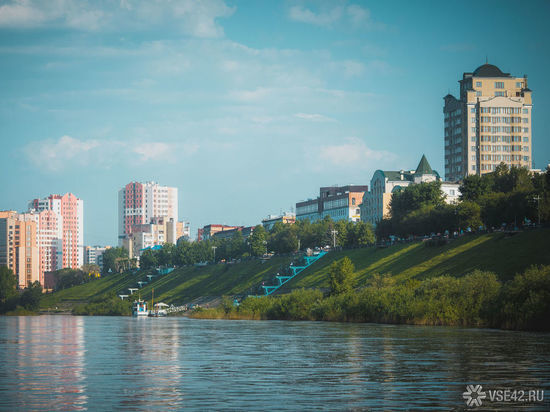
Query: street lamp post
[334,233]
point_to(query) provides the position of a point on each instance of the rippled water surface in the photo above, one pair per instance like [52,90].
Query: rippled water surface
[112,363]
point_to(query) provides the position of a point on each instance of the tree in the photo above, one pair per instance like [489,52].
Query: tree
[8,283]
[30,298]
[167,255]
[342,276]
[473,187]
[257,241]
[414,197]
[362,234]
[148,259]
[110,258]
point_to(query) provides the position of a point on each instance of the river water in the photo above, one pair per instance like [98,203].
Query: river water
[114,363]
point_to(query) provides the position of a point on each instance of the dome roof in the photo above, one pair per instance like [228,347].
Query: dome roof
[489,70]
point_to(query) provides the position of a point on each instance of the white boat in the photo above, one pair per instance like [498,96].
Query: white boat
[158,310]
[140,308]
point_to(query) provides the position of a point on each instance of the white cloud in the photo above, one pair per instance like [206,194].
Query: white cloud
[354,153]
[66,152]
[352,15]
[52,155]
[325,18]
[197,18]
[314,117]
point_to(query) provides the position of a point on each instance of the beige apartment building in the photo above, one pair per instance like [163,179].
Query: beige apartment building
[489,124]
[19,247]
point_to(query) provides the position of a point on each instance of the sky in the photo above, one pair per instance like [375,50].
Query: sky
[245,106]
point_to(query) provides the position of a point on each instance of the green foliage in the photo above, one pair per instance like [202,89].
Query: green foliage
[506,196]
[526,300]
[31,296]
[105,305]
[258,241]
[149,259]
[66,278]
[111,258]
[341,276]
[415,197]
[477,299]
[8,283]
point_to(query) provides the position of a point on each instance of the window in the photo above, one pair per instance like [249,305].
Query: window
[478,84]
[473,139]
[525,120]
[525,139]
[478,93]
[353,201]
[473,168]
[519,85]
[525,111]
[473,119]
[499,85]
[526,158]
[500,94]
[473,110]
[525,130]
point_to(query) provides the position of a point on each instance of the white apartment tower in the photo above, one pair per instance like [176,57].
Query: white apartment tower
[489,124]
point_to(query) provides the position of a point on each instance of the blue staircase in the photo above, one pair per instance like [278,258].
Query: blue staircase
[282,279]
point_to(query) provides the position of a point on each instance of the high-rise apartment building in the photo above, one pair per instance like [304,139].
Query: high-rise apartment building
[19,247]
[60,220]
[489,124]
[141,203]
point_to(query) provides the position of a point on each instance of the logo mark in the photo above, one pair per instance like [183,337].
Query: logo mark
[474,395]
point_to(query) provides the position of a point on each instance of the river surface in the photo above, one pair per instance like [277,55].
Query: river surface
[123,363]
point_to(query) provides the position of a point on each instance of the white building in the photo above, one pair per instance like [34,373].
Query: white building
[376,202]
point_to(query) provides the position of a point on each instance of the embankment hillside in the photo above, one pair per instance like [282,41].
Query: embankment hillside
[180,286]
[503,254]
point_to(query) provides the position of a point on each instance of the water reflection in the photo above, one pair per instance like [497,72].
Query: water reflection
[58,362]
[45,357]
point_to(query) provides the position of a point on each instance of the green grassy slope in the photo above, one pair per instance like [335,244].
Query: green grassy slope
[495,252]
[179,286]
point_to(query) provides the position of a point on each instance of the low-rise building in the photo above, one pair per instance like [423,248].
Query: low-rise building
[228,234]
[338,202]
[286,219]
[376,202]
[208,231]
[93,255]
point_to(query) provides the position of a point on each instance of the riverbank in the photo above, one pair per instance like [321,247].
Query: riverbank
[478,299]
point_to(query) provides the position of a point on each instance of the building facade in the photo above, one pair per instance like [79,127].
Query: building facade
[376,202]
[286,219]
[338,202]
[60,220]
[208,231]
[93,255]
[139,203]
[19,247]
[489,124]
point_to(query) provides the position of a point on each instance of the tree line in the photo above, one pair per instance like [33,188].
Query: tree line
[11,300]
[511,196]
[281,239]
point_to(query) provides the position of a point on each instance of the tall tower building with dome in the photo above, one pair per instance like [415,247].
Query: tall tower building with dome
[489,124]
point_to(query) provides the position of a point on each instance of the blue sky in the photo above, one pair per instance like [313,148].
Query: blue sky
[245,106]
